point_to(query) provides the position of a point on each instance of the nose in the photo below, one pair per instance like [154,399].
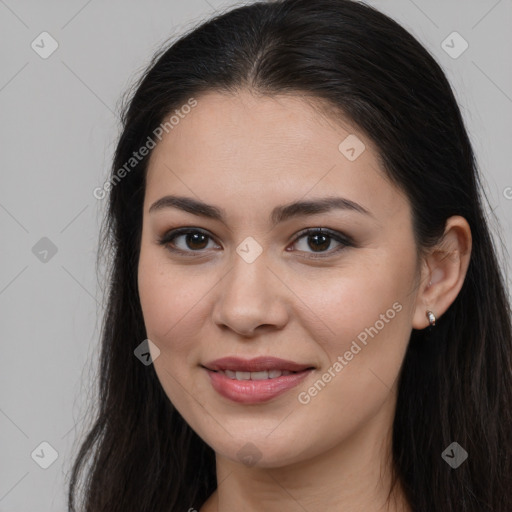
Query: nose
[251,297]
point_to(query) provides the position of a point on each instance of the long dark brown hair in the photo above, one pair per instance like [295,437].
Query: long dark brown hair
[454,386]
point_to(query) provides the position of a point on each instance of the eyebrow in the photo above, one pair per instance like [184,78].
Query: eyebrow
[279,213]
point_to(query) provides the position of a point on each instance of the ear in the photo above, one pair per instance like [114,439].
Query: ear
[443,271]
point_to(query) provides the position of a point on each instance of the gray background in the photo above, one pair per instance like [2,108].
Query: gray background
[58,130]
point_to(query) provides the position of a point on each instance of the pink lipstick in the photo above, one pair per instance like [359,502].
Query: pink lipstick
[255,380]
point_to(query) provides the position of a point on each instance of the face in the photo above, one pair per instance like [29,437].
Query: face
[337,301]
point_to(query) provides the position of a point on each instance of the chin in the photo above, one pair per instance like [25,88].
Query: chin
[260,450]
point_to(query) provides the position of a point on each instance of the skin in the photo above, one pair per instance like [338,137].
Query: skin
[247,154]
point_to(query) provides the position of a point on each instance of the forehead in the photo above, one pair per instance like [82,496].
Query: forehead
[291,125]
[262,149]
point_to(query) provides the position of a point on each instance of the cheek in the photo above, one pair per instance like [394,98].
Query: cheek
[367,316]
[167,300]
[370,293]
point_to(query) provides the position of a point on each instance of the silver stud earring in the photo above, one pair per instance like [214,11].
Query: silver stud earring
[431,318]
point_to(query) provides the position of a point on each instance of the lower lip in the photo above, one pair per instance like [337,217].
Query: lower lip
[254,391]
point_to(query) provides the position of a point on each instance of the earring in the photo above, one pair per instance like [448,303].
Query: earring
[431,318]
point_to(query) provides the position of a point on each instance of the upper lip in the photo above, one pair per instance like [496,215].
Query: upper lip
[257,364]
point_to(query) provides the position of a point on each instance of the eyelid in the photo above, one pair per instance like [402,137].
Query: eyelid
[341,238]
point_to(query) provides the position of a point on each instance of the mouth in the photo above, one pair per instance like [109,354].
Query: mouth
[263,375]
[256,380]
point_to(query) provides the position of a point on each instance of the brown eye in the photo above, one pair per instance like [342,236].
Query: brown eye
[190,240]
[195,240]
[320,240]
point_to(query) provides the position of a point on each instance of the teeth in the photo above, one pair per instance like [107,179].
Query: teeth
[259,375]
[272,374]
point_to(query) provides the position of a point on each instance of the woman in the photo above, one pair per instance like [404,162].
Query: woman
[305,311]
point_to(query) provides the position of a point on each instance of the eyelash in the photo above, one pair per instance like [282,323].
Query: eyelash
[335,235]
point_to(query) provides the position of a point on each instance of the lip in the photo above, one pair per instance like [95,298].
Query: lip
[257,364]
[255,391]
